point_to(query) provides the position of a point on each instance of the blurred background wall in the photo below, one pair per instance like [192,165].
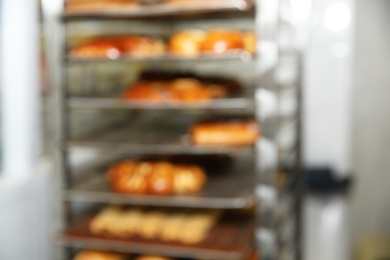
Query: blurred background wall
[370,200]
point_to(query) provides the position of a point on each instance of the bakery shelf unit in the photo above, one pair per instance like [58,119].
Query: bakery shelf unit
[95,127]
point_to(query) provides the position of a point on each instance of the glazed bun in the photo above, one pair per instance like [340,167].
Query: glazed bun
[188,90]
[140,46]
[151,257]
[160,180]
[98,5]
[98,255]
[186,43]
[249,39]
[220,41]
[155,178]
[151,92]
[189,178]
[98,48]
[231,132]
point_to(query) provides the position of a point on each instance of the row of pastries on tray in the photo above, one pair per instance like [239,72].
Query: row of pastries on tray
[186,43]
[186,226]
[100,255]
[167,178]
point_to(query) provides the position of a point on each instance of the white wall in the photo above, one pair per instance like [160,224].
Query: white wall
[371,197]
[25,218]
[328,87]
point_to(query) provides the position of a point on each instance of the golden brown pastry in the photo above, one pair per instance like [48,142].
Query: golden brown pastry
[249,40]
[98,255]
[106,221]
[161,179]
[239,132]
[98,48]
[157,178]
[114,47]
[167,225]
[181,90]
[220,41]
[188,91]
[98,5]
[188,178]
[186,43]
[149,92]
[141,47]
[152,257]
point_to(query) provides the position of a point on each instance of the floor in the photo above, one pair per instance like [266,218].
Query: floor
[326,228]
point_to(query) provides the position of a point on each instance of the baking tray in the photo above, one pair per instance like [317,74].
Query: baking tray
[160,9]
[155,133]
[229,186]
[230,239]
[240,55]
[241,103]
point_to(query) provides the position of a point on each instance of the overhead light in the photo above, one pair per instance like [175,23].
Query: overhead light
[337,17]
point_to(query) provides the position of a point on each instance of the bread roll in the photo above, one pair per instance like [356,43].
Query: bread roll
[98,48]
[189,178]
[142,47]
[98,5]
[161,179]
[156,178]
[188,91]
[220,41]
[152,257]
[98,255]
[240,132]
[249,39]
[186,43]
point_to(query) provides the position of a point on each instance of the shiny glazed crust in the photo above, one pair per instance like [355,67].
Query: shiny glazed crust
[152,257]
[220,41]
[157,178]
[98,255]
[225,133]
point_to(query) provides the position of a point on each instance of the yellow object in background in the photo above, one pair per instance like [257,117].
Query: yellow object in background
[374,248]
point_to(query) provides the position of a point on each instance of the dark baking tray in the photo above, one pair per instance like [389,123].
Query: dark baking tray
[229,186]
[155,133]
[231,239]
[161,10]
[240,55]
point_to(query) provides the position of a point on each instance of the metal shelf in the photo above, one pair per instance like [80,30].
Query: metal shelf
[229,187]
[160,10]
[234,103]
[239,55]
[150,134]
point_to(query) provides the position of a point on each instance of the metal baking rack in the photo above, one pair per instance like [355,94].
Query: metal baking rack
[239,189]
[151,10]
[205,57]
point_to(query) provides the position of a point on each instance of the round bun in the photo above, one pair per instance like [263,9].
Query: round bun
[157,178]
[239,132]
[186,43]
[152,257]
[98,5]
[189,178]
[249,39]
[220,41]
[129,177]
[188,90]
[160,181]
[98,255]
[98,48]
[146,92]
[140,46]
